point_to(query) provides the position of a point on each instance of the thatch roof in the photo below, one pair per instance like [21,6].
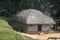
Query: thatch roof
[32,16]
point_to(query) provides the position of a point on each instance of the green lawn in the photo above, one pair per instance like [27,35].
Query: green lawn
[7,32]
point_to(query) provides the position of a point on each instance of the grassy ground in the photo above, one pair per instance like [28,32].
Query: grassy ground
[7,32]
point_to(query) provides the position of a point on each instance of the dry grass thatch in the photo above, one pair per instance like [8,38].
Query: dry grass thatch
[32,16]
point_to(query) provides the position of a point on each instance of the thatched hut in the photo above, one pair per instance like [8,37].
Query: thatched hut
[34,21]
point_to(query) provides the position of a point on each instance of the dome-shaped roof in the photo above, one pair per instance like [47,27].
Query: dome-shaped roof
[32,16]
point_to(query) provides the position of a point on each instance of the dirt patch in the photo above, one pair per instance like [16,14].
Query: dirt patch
[42,36]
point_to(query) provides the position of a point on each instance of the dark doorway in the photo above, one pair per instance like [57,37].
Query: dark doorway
[40,27]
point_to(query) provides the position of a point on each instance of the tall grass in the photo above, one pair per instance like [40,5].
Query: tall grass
[7,32]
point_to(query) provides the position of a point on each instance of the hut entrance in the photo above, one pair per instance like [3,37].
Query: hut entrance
[39,27]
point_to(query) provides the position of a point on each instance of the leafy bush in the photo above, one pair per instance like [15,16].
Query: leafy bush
[17,26]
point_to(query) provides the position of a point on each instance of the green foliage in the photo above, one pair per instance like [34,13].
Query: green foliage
[11,7]
[56,7]
[7,8]
[7,33]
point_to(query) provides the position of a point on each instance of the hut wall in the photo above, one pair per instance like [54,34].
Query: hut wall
[32,28]
[45,28]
